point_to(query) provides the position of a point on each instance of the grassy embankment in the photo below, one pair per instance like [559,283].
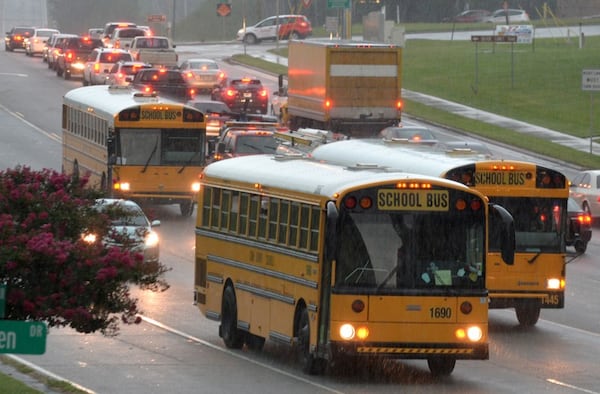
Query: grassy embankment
[538,84]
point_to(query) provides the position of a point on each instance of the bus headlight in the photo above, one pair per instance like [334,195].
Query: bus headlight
[347,331]
[554,284]
[473,333]
[196,187]
[125,186]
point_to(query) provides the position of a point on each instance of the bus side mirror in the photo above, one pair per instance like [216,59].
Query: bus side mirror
[504,229]
[331,231]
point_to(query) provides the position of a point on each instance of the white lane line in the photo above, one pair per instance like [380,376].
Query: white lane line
[52,136]
[210,345]
[559,383]
[49,374]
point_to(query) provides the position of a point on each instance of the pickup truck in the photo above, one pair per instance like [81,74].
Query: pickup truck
[155,50]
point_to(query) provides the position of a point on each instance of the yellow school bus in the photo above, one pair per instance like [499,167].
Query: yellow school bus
[535,195]
[133,145]
[344,262]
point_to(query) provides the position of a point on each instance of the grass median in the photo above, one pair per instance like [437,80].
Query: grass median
[538,83]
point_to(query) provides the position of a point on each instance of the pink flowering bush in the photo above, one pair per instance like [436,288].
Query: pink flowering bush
[51,274]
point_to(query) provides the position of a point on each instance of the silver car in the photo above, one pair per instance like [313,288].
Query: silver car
[130,229]
[585,189]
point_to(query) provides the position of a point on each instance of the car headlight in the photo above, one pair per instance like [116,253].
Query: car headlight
[151,239]
[89,238]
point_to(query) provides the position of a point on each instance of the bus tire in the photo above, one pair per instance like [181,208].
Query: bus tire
[311,365]
[528,312]
[232,337]
[186,208]
[75,174]
[441,366]
[103,183]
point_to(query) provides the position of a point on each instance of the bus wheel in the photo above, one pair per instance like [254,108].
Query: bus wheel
[254,342]
[528,312]
[103,183]
[186,208]
[75,173]
[441,366]
[232,337]
[310,364]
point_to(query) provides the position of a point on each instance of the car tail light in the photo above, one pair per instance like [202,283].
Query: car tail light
[69,56]
[97,68]
[584,219]
[230,93]
[262,93]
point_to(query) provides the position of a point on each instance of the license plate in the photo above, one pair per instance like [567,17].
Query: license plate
[247,95]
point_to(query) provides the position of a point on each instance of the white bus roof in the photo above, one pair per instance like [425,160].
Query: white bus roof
[309,176]
[395,157]
[109,100]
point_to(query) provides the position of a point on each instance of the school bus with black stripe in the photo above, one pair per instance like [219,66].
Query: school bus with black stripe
[344,262]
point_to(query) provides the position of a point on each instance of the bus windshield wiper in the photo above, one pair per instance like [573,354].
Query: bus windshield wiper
[151,155]
[187,163]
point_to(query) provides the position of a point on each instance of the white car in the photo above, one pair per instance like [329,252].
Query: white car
[130,228]
[585,189]
[100,62]
[35,43]
[284,27]
[514,16]
[123,36]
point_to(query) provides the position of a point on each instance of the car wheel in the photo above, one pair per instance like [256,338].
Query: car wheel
[580,246]
[85,81]
[59,71]
[250,39]
[294,35]
[67,75]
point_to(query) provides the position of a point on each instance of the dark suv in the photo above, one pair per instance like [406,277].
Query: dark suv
[15,38]
[73,53]
[165,82]
[245,95]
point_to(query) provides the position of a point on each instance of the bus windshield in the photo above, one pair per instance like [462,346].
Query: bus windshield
[538,223]
[160,147]
[401,251]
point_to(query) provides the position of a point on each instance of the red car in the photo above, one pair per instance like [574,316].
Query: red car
[245,95]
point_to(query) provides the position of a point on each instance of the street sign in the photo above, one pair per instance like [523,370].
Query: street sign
[22,337]
[223,9]
[157,18]
[507,38]
[590,80]
[306,3]
[338,3]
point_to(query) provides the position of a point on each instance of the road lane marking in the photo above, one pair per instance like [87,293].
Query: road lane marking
[16,115]
[49,374]
[234,354]
[558,382]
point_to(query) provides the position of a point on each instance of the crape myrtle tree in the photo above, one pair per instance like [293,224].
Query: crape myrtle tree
[51,273]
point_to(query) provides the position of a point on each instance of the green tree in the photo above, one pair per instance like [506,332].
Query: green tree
[51,273]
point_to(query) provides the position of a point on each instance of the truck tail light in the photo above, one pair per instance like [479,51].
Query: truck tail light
[97,68]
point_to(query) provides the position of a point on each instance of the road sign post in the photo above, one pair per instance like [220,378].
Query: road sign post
[22,337]
[590,81]
[2,300]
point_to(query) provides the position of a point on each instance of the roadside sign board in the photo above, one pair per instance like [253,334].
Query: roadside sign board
[494,38]
[23,337]
[338,3]
[223,9]
[590,79]
[157,18]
